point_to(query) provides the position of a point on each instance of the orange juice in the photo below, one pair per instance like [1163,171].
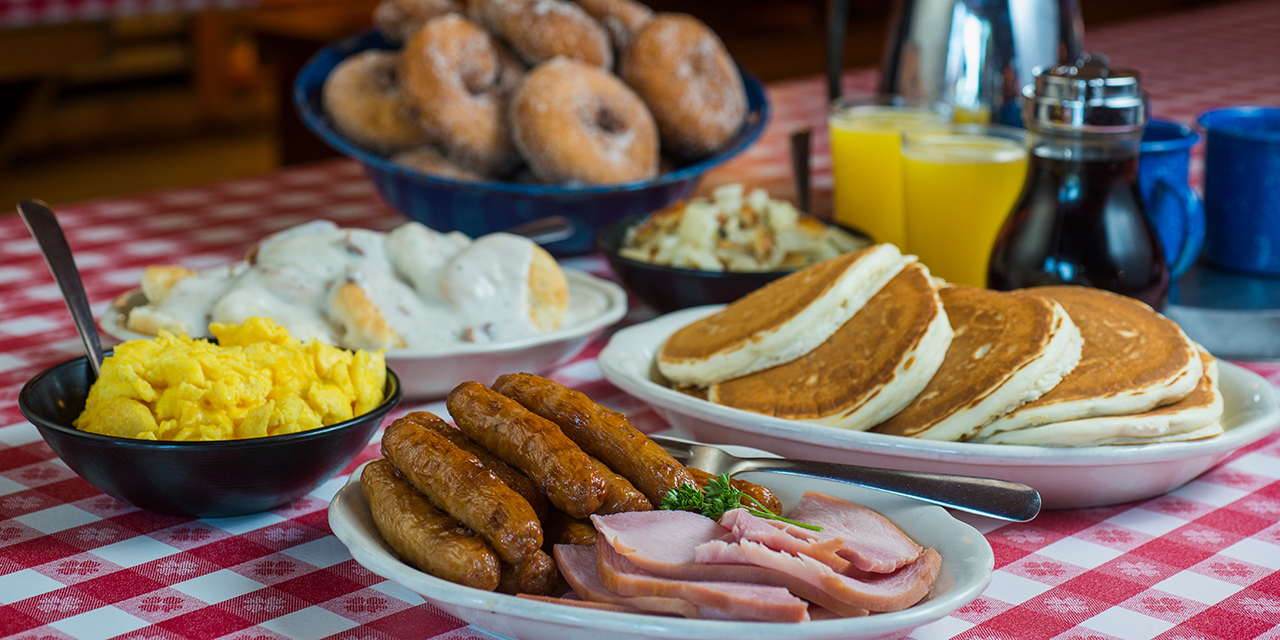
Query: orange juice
[866,166]
[958,187]
[971,115]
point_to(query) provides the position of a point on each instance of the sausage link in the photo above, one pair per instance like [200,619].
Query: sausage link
[510,477]
[455,481]
[619,495]
[762,494]
[600,432]
[424,536]
[537,575]
[534,446]
[559,528]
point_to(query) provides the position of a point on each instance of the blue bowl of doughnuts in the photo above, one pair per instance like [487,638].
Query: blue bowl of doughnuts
[477,208]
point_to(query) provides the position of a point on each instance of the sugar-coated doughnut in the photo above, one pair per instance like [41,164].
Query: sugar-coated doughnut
[398,19]
[623,19]
[511,69]
[363,98]
[459,80]
[574,122]
[429,160]
[683,72]
[539,30]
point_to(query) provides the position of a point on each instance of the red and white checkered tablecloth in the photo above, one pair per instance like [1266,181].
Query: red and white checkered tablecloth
[1200,563]
[16,14]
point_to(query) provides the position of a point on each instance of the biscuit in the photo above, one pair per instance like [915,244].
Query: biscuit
[363,324]
[548,291]
[158,280]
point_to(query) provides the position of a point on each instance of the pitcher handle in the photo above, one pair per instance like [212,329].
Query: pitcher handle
[1191,208]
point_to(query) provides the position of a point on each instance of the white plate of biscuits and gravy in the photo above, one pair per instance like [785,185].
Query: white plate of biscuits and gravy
[1089,397]
[445,307]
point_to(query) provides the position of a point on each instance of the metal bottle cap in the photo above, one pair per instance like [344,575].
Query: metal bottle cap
[1087,96]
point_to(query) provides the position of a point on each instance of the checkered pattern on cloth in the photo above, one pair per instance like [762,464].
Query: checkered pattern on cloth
[1202,562]
[16,14]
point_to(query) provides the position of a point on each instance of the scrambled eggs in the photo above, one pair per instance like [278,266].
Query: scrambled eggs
[258,381]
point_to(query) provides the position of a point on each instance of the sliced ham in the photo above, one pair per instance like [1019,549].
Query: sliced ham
[662,543]
[578,566]
[667,537]
[819,613]
[745,526]
[878,592]
[871,542]
[740,601]
[884,570]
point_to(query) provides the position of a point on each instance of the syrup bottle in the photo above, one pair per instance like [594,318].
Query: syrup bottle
[1080,218]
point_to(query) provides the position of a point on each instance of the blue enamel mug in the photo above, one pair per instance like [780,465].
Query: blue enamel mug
[1173,208]
[1242,188]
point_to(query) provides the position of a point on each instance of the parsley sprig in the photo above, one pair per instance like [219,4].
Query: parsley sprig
[718,497]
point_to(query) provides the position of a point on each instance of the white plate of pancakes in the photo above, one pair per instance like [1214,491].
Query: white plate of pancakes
[967,565]
[807,369]
[431,372]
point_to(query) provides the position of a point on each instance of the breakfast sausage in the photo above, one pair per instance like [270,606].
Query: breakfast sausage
[600,432]
[762,494]
[533,445]
[427,538]
[458,483]
[619,495]
[559,528]
[537,575]
[510,477]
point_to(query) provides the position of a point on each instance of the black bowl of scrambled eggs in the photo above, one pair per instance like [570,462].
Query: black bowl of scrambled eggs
[202,479]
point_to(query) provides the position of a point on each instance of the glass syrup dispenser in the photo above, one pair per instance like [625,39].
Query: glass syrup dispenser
[1080,219]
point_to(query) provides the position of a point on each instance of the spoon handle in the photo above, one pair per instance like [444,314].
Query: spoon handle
[45,229]
[545,230]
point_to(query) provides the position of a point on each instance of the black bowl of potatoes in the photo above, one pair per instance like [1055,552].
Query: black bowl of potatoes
[716,249]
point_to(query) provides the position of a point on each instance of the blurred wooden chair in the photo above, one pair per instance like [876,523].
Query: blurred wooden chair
[289,32]
[122,79]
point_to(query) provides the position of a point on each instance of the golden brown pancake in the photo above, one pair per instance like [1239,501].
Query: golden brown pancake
[1133,359]
[1008,349]
[1192,417]
[868,370]
[779,322]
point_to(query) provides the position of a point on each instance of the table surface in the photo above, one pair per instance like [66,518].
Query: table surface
[1202,562]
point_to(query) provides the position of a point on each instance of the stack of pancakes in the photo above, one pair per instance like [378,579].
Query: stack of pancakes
[869,341]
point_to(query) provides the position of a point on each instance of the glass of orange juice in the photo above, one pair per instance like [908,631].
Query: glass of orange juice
[866,160]
[959,183]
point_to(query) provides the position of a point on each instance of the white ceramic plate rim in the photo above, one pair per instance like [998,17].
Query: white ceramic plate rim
[372,553]
[628,358]
[615,308]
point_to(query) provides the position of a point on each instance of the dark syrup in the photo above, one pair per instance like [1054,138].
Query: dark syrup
[1081,222]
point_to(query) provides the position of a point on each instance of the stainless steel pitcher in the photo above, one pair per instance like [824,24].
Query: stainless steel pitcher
[975,55]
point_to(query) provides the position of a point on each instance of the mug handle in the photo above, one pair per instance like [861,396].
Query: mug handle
[1191,208]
